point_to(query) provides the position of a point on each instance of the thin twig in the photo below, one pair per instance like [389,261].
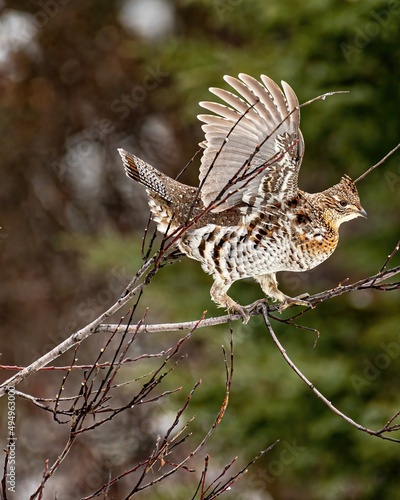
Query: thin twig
[377,164]
[317,298]
[298,372]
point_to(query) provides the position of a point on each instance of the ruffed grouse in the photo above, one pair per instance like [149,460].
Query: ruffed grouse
[248,218]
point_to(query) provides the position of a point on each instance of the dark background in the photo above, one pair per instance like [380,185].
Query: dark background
[78,80]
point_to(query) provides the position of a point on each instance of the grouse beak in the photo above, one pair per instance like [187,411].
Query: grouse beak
[362,213]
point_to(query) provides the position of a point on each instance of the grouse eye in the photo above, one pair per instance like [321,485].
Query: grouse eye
[343,203]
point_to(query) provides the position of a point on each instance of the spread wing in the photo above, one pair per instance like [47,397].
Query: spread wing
[253,144]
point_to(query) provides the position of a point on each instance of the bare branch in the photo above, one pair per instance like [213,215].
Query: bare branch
[95,397]
[378,164]
[373,282]
[292,365]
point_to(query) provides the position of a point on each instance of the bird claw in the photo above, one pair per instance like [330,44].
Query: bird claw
[295,301]
[247,311]
[242,311]
[255,306]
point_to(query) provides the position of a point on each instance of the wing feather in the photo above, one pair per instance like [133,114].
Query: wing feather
[253,144]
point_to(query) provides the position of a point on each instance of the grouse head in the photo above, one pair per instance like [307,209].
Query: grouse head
[342,203]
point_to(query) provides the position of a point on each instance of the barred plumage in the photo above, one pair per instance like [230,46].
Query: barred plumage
[255,222]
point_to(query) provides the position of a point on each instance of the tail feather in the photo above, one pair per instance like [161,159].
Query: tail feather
[145,174]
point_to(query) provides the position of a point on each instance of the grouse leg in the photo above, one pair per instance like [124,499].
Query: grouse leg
[269,286]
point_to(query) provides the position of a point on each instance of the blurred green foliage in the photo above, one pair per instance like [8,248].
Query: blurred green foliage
[316,46]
